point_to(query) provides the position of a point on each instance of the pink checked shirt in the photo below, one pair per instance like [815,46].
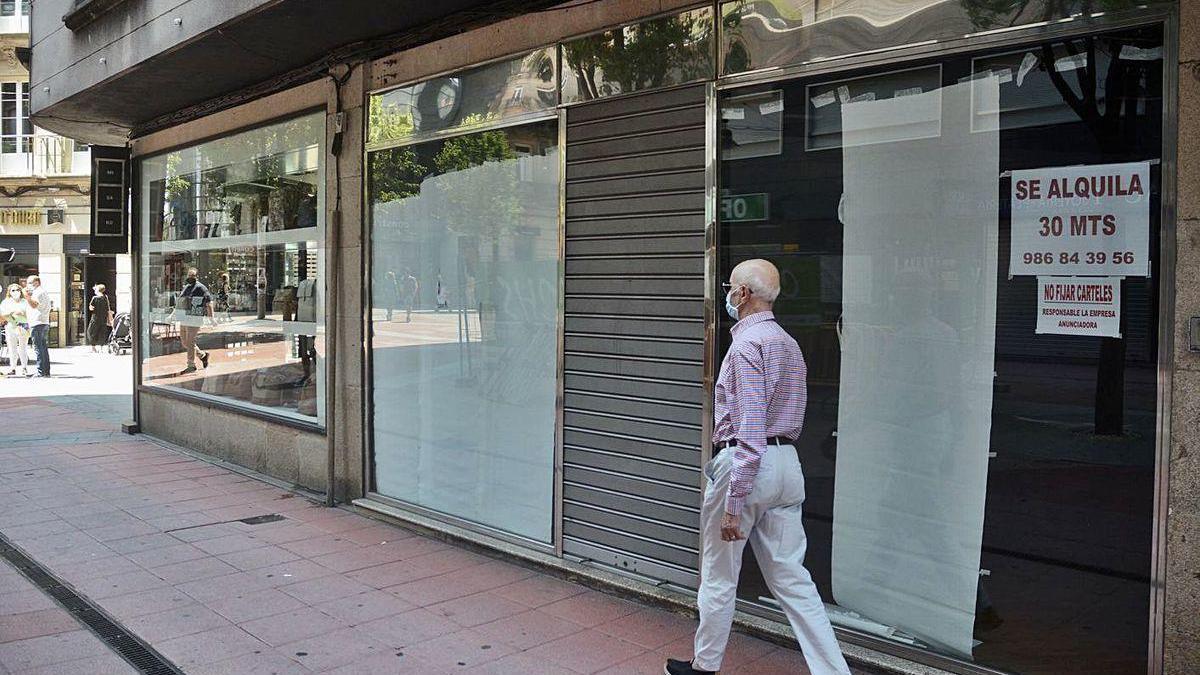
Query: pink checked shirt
[761,392]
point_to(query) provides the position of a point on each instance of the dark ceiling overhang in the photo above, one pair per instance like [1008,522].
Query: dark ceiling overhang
[281,45]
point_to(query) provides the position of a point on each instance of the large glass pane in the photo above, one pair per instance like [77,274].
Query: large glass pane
[484,95]
[464,296]
[655,53]
[765,33]
[245,212]
[980,483]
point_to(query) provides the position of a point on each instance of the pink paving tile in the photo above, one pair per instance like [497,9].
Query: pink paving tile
[108,664]
[319,545]
[586,651]
[90,569]
[144,542]
[167,555]
[650,628]
[474,610]
[392,664]
[377,533]
[776,662]
[290,626]
[648,663]
[227,586]
[50,649]
[333,649]
[130,605]
[28,599]
[211,646]
[25,625]
[528,630]
[254,558]
[24,533]
[539,590]
[192,570]
[122,531]
[526,665]
[464,649]
[324,589]
[228,544]
[259,664]
[176,622]
[591,608]
[417,567]
[408,628]
[357,609]
[254,605]
[289,572]
[203,532]
[433,590]
[361,557]
[118,584]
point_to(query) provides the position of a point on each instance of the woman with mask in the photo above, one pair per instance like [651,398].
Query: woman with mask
[13,311]
[101,318]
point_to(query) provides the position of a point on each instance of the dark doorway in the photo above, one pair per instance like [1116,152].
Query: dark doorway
[100,270]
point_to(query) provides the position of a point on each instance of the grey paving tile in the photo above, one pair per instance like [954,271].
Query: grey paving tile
[255,605]
[291,626]
[176,622]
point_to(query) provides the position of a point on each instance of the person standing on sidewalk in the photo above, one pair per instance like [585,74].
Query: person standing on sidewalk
[39,322]
[755,486]
[14,312]
[196,303]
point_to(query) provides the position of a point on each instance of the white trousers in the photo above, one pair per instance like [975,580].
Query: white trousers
[771,522]
[15,338]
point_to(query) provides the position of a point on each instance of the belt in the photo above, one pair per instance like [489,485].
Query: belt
[773,440]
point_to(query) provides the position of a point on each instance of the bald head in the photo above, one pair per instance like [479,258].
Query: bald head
[760,276]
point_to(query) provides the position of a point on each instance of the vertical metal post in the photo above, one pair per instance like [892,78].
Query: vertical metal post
[559,395]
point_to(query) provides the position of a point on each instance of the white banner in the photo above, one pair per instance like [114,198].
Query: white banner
[1088,306]
[918,348]
[1081,220]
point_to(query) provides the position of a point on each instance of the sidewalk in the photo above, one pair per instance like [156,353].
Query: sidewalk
[153,537]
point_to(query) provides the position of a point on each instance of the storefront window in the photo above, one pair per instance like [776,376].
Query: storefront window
[504,90]
[767,33]
[655,53]
[246,214]
[464,307]
[968,251]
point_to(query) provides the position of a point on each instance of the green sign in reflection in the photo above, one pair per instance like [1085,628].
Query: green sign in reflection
[744,208]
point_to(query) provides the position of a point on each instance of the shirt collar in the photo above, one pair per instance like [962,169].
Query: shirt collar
[751,320]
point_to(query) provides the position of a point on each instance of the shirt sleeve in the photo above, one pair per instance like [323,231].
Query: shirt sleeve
[749,419]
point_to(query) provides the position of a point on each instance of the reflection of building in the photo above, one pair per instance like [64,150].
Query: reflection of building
[512,272]
[44,205]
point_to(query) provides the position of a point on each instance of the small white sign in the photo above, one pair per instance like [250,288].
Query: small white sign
[1133,53]
[1072,62]
[733,113]
[822,100]
[1081,221]
[770,107]
[843,94]
[911,91]
[1027,64]
[1084,306]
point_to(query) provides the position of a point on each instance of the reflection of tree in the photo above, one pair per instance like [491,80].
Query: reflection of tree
[653,53]
[986,14]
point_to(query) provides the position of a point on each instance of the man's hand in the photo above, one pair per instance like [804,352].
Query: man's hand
[729,528]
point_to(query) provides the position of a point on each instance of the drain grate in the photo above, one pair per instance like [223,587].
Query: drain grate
[139,654]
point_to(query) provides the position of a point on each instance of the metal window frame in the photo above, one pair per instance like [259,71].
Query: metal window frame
[1166,16]
[24,141]
[370,493]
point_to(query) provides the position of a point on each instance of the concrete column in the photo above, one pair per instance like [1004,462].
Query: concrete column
[53,272]
[124,289]
[1182,612]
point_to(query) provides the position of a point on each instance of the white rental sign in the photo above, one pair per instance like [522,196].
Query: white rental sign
[1089,306]
[1081,220]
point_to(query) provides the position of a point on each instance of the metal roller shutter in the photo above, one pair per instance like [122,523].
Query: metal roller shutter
[634,333]
[74,243]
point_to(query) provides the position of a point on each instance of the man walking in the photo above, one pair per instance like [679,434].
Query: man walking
[755,486]
[39,322]
[196,303]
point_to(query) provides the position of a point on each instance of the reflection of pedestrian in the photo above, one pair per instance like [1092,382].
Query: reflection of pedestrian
[196,303]
[755,485]
[222,298]
[391,292]
[14,311]
[99,319]
[442,300]
[39,322]
[410,287]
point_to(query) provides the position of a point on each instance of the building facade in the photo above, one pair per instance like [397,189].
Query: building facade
[45,213]
[982,212]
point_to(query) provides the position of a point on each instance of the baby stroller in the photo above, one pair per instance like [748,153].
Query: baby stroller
[120,337]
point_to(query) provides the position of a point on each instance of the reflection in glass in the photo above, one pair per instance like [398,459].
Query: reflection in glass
[765,33]
[475,97]
[245,213]
[885,254]
[655,53]
[464,296]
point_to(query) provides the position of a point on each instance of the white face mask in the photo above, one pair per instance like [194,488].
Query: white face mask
[730,308]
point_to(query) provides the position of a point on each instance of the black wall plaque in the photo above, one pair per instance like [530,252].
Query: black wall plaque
[110,200]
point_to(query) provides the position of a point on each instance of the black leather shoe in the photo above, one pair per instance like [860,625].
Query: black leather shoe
[677,667]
